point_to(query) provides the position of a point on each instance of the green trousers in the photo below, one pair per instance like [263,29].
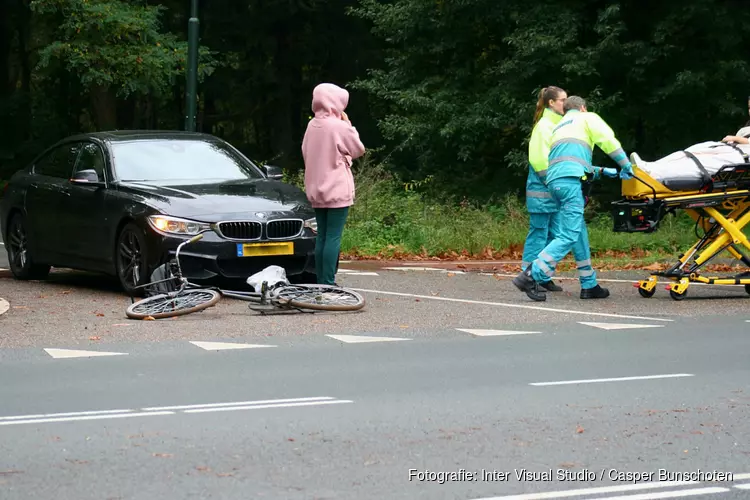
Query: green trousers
[331,223]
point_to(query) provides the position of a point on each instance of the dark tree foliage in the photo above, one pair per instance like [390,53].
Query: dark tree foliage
[445,88]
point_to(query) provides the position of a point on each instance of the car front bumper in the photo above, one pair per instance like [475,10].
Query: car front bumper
[214,257]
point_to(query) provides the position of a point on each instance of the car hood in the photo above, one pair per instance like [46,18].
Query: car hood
[222,201]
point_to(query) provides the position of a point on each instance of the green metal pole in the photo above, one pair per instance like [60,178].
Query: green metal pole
[192,68]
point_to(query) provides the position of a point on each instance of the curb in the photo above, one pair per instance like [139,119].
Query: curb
[4,306]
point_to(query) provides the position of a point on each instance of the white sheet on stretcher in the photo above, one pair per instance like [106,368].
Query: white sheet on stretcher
[711,154]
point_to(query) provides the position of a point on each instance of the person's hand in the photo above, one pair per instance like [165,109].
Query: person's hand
[609,172]
[736,139]
[345,117]
[627,172]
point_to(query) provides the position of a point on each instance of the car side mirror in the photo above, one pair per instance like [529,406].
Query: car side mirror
[86,177]
[273,172]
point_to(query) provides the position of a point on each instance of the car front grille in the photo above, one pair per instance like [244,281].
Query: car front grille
[246,230]
[287,228]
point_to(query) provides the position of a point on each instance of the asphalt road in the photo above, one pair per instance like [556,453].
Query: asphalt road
[483,380]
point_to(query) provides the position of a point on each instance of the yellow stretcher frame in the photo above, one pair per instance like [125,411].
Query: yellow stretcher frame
[721,207]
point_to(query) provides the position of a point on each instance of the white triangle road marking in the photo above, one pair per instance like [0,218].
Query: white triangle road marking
[493,333]
[73,353]
[218,346]
[4,306]
[618,326]
[357,339]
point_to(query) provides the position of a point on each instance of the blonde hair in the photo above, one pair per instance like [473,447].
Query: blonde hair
[545,95]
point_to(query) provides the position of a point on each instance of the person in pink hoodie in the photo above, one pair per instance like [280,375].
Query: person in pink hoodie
[328,148]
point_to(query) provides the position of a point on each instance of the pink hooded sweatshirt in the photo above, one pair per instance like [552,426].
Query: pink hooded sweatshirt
[328,148]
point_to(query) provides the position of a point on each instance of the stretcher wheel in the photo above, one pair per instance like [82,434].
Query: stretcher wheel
[647,294]
[677,296]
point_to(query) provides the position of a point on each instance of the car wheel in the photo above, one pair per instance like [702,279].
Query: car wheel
[21,262]
[131,259]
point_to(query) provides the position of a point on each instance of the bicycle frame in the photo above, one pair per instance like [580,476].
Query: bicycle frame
[262,297]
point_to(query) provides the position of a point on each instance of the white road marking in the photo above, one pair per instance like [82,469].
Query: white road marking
[603,280]
[519,306]
[669,494]
[357,339]
[350,272]
[618,379]
[740,477]
[237,403]
[71,414]
[492,333]
[168,410]
[743,486]
[72,353]
[217,346]
[4,305]
[282,405]
[409,268]
[618,326]
[85,417]
[591,491]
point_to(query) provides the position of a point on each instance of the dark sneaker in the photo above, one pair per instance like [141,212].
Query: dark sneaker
[526,283]
[594,293]
[551,286]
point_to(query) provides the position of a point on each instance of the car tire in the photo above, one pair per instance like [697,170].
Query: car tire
[21,262]
[131,251]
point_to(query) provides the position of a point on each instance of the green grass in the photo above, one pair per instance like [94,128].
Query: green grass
[387,221]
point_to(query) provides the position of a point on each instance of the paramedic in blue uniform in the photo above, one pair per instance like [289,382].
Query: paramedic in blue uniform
[539,203]
[571,152]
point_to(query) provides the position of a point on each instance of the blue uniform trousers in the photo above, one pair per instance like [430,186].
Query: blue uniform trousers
[569,234]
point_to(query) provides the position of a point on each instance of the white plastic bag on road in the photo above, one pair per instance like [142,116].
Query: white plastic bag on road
[274,275]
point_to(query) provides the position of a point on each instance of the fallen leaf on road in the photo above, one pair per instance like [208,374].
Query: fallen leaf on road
[653,267]
[203,468]
[403,326]
[20,307]
[121,324]
[95,338]
[290,439]
[149,318]
[65,292]
[567,465]
[450,275]
[163,455]
[7,472]
[579,429]
[100,314]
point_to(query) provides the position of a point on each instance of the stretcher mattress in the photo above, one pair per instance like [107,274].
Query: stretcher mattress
[680,171]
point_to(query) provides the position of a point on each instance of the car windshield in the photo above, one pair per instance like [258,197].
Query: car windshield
[179,161]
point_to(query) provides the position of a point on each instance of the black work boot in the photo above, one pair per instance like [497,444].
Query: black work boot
[526,283]
[594,293]
[551,286]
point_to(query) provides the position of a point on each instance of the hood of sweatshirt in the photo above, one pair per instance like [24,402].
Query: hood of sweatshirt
[329,100]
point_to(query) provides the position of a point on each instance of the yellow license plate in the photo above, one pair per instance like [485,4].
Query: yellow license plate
[263,249]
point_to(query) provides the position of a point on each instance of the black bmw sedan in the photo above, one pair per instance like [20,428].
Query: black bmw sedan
[120,202]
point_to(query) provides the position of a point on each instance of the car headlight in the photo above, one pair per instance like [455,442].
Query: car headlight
[312,224]
[174,225]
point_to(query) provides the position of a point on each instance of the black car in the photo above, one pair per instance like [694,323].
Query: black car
[120,202]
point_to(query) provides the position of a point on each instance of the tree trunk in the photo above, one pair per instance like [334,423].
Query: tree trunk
[104,105]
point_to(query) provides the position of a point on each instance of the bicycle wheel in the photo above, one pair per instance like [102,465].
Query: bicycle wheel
[318,297]
[166,306]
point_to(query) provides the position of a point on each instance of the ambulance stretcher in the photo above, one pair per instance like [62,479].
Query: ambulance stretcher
[720,206]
